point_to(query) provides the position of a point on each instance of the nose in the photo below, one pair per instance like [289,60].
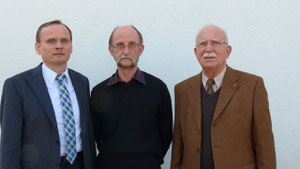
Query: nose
[58,45]
[126,51]
[209,48]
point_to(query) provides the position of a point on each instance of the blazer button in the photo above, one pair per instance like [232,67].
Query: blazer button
[57,164]
[57,142]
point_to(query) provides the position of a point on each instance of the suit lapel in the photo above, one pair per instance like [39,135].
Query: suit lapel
[194,95]
[39,88]
[229,87]
[79,89]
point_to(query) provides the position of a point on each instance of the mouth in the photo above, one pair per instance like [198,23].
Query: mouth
[209,57]
[125,58]
[58,54]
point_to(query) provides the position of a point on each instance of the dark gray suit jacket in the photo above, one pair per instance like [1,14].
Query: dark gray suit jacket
[29,134]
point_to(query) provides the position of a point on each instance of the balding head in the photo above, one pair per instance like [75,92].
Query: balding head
[210,30]
[126,27]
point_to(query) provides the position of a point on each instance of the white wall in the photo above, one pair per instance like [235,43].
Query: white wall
[265,37]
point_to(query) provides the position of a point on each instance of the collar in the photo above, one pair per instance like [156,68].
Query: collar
[50,75]
[218,79]
[138,76]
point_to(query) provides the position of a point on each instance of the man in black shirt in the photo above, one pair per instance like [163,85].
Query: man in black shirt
[131,110]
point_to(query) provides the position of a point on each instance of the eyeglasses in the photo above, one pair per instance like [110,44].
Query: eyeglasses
[121,46]
[214,43]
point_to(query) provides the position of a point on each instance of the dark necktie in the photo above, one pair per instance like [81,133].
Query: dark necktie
[209,85]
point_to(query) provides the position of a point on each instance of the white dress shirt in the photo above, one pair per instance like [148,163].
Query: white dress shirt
[218,80]
[52,86]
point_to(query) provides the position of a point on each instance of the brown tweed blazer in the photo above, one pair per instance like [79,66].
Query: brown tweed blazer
[241,131]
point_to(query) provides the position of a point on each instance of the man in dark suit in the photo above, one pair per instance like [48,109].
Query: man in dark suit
[222,118]
[45,115]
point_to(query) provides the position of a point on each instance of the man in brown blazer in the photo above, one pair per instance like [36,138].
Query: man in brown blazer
[222,118]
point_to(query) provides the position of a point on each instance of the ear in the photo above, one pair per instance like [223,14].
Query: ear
[142,47]
[110,50]
[228,50]
[37,48]
[195,51]
[71,48]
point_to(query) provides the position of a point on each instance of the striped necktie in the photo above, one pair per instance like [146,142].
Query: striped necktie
[69,122]
[209,85]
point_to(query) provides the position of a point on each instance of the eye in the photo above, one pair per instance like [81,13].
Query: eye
[64,41]
[51,41]
[202,44]
[120,45]
[215,43]
[132,45]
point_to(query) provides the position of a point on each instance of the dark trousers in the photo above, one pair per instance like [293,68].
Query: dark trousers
[78,163]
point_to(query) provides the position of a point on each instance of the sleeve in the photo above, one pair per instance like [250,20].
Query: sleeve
[263,140]
[11,127]
[165,121]
[95,118]
[177,149]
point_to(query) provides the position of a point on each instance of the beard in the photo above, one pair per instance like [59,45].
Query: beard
[133,64]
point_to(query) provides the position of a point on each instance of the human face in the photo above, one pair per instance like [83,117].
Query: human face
[212,49]
[126,48]
[55,46]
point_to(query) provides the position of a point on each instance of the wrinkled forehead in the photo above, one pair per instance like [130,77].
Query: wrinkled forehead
[211,33]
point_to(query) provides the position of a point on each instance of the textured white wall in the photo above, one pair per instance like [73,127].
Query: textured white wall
[265,37]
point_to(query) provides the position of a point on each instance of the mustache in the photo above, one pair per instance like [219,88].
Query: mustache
[134,62]
[213,54]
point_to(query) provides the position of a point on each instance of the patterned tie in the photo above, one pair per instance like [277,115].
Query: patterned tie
[69,121]
[209,84]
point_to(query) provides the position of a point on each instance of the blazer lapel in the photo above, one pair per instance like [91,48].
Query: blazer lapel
[39,88]
[194,95]
[79,89]
[229,87]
